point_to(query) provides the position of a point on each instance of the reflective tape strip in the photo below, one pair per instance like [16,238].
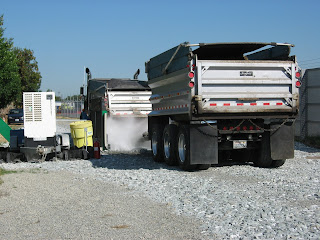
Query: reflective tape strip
[246,104]
[141,113]
[123,113]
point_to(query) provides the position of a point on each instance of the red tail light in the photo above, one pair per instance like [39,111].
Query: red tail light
[251,127]
[244,128]
[298,84]
[191,84]
[191,74]
[298,74]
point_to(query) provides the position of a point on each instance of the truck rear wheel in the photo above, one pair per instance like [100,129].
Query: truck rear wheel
[183,149]
[277,163]
[157,143]
[204,166]
[169,144]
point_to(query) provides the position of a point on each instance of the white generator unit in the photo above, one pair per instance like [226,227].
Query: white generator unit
[39,115]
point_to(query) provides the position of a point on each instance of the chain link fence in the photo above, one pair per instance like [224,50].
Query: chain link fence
[69,108]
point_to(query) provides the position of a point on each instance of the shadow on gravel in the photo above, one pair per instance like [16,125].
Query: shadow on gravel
[232,163]
[301,147]
[144,160]
[129,161]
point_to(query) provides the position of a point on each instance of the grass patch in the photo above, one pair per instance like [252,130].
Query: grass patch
[3,172]
[35,170]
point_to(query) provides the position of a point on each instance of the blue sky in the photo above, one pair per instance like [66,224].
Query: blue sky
[115,38]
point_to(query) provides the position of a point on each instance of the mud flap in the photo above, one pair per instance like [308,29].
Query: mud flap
[282,141]
[203,144]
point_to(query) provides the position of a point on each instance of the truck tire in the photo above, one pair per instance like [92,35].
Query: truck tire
[157,143]
[169,144]
[277,163]
[183,149]
[204,166]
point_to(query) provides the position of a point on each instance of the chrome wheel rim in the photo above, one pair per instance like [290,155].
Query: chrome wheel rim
[154,143]
[182,148]
[166,145]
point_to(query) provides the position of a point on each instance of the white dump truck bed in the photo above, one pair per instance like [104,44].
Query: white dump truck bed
[128,103]
[246,86]
[220,79]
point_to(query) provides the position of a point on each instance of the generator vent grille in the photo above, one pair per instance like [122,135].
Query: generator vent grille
[33,108]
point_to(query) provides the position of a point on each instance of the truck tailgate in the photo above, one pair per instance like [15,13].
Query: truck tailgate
[129,103]
[246,86]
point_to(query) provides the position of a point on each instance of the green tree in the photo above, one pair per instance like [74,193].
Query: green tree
[28,70]
[10,85]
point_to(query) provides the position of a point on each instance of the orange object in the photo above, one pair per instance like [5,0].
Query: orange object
[96,150]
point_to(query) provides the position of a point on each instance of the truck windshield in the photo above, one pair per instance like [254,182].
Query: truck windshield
[15,111]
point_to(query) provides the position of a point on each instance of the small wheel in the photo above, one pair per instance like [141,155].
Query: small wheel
[157,143]
[60,155]
[169,144]
[183,149]
[8,158]
[277,163]
[66,155]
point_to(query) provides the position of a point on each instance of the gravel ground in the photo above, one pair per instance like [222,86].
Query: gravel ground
[229,202]
[61,205]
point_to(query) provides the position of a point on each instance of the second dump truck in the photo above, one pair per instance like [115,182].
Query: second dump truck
[219,101]
[118,109]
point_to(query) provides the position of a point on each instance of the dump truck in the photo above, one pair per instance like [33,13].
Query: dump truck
[215,102]
[118,109]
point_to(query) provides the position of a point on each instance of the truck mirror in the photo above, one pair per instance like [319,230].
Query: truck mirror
[88,73]
[81,90]
[136,74]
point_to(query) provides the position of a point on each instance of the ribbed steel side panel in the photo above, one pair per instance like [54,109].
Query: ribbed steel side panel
[156,65]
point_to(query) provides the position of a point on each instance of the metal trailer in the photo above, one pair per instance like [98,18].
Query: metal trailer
[116,101]
[223,101]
